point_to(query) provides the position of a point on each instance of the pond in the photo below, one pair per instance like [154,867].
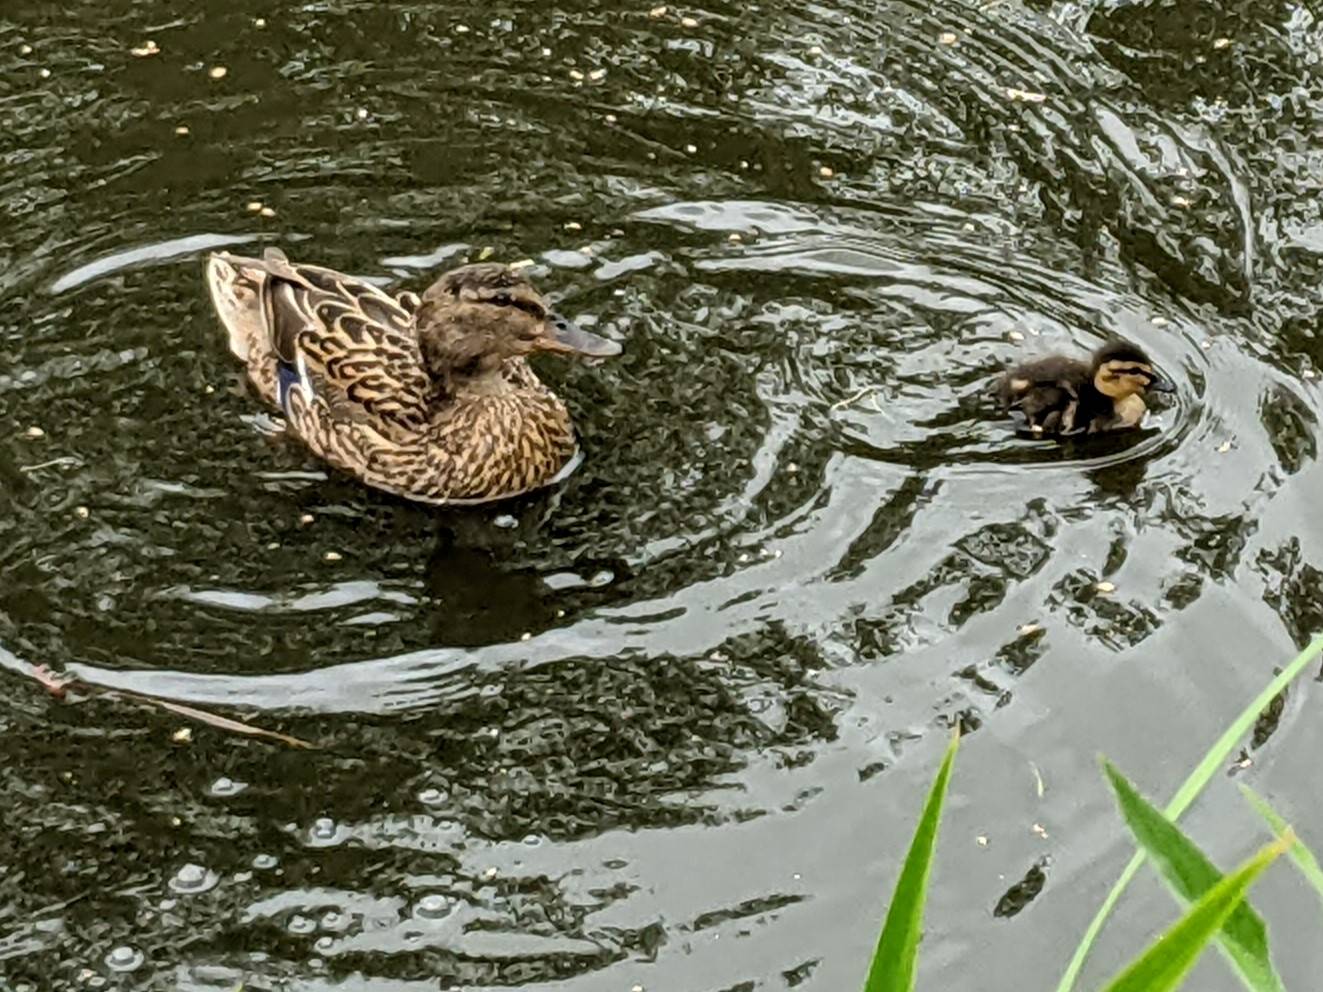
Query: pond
[667,726]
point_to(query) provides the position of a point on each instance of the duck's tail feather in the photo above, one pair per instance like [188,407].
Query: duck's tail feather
[240,293]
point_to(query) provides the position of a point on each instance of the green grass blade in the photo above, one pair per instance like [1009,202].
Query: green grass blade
[1190,874]
[1301,855]
[1168,959]
[1185,795]
[897,951]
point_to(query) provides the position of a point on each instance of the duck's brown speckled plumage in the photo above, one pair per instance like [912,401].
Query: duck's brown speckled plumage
[430,398]
[1060,395]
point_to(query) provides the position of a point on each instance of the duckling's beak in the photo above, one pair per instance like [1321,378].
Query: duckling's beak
[563,335]
[1157,384]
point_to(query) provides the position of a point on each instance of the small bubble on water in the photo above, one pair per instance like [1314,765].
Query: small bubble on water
[193,878]
[433,907]
[264,862]
[334,920]
[533,840]
[324,944]
[324,831]
[506,522]
[225,787]
[432,797]
[124,958]
[301,925]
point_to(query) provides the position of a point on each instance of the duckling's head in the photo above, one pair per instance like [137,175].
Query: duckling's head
[1121,370]
[474,318]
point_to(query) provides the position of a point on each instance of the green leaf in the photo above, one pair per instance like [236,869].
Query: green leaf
[1185,795]
[1301,855]
[1165,964]
[897,951]
[1190,874]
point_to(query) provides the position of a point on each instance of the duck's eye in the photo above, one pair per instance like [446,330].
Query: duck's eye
[503,299]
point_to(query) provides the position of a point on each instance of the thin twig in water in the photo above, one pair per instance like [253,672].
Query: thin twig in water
[851,401]
[59,684]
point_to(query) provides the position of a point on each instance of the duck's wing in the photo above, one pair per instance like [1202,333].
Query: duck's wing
[338,342]
[1045,392]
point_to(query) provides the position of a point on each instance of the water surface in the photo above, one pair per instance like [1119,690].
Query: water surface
[669,725]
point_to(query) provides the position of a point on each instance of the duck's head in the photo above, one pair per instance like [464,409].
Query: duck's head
[474,318]
[1121,370]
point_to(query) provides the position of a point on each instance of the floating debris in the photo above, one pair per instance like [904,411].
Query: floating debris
[255,206]
[332,556]
[184,735]
[362,113]
[25,50]
[306,519]
[1309,374]
[34,432]
[1025,96]
[1039,829]
[948,38]
[981,840]
[576,75]
[1028,629]
[1105,587]
[825,172]
[597,75]
[815,50]
[523,263]
[691,149]
[44,73]
[1220,43]
[1038,780]
[461,29]
[146,49]
[1180,201]
[688,22]
[1159,322]
[610,118]
[267,212]
[181,130]
[1224,447]
[1016,336]
[657,12]
[218,72]
[82,512]
[487,252]
[259,22]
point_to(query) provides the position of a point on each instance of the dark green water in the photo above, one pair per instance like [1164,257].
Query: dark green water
[669,726]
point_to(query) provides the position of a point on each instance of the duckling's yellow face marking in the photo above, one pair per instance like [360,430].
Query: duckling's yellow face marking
[1121,378]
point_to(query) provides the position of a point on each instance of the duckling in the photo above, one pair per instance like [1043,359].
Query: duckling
[1061,395]
[430,398]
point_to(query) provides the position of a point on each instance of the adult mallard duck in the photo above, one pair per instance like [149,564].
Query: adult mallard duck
[429,398]
[1061,395]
